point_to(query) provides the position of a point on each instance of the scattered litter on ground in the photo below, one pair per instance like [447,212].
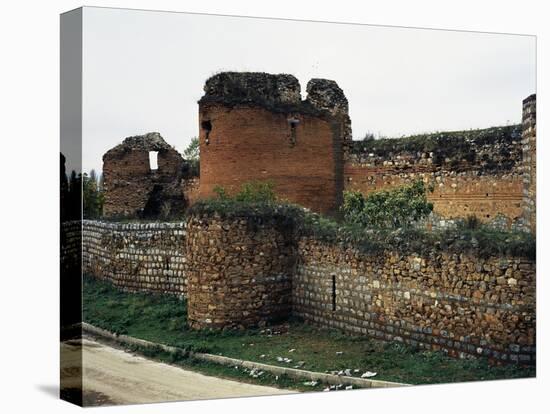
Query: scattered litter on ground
[311,383]
[291,350]
[349,387]
[339,352]
[368,374]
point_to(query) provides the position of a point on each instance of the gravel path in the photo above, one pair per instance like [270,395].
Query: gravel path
[112,376]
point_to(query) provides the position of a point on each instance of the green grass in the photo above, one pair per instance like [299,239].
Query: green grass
[241,374]
[162,319]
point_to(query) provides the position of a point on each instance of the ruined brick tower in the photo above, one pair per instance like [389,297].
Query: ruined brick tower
[136,188]
[256,127]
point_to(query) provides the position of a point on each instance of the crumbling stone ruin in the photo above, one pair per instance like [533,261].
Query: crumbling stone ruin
[250,270]
[143,177]
[255,126]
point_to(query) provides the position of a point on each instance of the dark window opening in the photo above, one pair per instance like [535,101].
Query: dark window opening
[333,293]
[293,122]
[207,126]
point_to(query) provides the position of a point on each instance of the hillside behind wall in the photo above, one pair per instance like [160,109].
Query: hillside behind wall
[472,173]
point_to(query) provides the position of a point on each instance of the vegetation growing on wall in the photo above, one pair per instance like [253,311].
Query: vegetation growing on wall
[256,88]
[257,201]
[394,208]
[452,147]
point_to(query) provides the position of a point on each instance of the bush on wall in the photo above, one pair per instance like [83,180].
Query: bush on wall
[394,208]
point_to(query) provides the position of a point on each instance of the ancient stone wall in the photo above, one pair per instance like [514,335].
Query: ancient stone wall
[461,304]
[472,173]
[133,188]
[136,257]
[240,270]
[529,142]
[249,271]
[255,127]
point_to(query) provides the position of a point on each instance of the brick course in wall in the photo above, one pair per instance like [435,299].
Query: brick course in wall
[252,144]
[136,257]
[456,195]
[488,184]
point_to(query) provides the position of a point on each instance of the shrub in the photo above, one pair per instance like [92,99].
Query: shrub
[472,222]
[256,192]
[395,208]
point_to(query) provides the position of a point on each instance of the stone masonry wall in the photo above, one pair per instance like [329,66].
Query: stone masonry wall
[529,142]
[249,271]
[136,257]
[460,304]
[240,271]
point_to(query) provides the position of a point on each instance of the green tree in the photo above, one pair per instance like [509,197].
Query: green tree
[92,198]
[399,207]
[74,197]
[192,156]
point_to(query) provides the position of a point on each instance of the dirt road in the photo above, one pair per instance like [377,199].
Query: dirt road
[112,376]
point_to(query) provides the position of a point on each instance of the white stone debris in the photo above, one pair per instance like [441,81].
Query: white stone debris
[349,387]
[262,356]
[368,374]
[291,350]
[339,352]
[311,383]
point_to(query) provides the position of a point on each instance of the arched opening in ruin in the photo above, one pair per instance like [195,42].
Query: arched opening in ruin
[154,203]
[153,160]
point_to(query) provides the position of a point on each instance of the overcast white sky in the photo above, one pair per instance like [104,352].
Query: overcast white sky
[144,71]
